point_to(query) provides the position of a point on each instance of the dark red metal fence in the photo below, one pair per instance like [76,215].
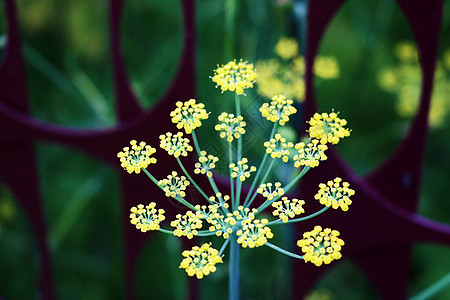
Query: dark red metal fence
[381,227]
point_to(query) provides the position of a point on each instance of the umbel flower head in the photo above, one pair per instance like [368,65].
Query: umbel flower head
[189,115]
[309,155]
[278,110]
[278,148]
[200,261]
[334,195]
[136,158]
[287,209]
[241,170]
[235,77]
[206,162]
[231,127]
[254,233]
[146,218]
[175,144]
[321,246]
[266,190]
[174,185]
[328,128]
[186,225]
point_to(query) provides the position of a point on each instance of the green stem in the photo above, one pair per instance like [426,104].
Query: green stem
[261,166]
[185,203]
[230,154]
[283,251]
[230,12]
[210,179]
[166,231]
[233,279]
[239,150]
[224,246]
[262,181]
[433,289]
[276,222]
[191,180]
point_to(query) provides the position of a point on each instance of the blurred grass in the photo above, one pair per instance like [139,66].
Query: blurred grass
[70,83]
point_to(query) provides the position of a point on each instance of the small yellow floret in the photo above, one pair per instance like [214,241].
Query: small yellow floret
[200,261]
[321,246]
[234,77]
[137,157]
[146,218]
[278,110]
[189,115]
[230,127]
[175,144]
[335,194]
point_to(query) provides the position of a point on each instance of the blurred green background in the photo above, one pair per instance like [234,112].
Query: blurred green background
[69,76]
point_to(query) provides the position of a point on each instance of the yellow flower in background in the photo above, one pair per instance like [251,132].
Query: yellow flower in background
[328,128]
[284,74]
[286,48]
[321,246]
[200,261]
[137,157]
[235,77]
[188,115]
[326,67]
[405,80]
[146,218]
[335,194]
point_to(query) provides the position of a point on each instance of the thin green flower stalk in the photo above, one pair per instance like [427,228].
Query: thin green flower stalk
[240,225]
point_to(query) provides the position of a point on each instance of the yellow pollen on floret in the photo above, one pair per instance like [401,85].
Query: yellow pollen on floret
[321,246]
[278,110]
[230,127]
[174,185]
[234,77]
[270,191]
[175,144]
[309,155]
[146,218]
[241,170]
[206,163]
[200,261]
[189,115]
[136,157]
[254,233]
[277,147]
[286,209]
[328,128]
[335,193]
[186,225]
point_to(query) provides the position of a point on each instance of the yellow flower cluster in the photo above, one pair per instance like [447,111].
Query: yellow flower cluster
[146,218]
[278,148]
[254,233]
[235,77]
[241,170]
[309,155]
[334,195]
[175,144]
[266,190]
[326,67]
[278,110]
[286,48]
[284,74]
[174,185]
[231,127]
[200,261]
[186,225]
[328,128]
[136,158]
[404,80]
[220,200]
[321,246]
[189,115]
[206,162]
[287,209]
[224,225]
